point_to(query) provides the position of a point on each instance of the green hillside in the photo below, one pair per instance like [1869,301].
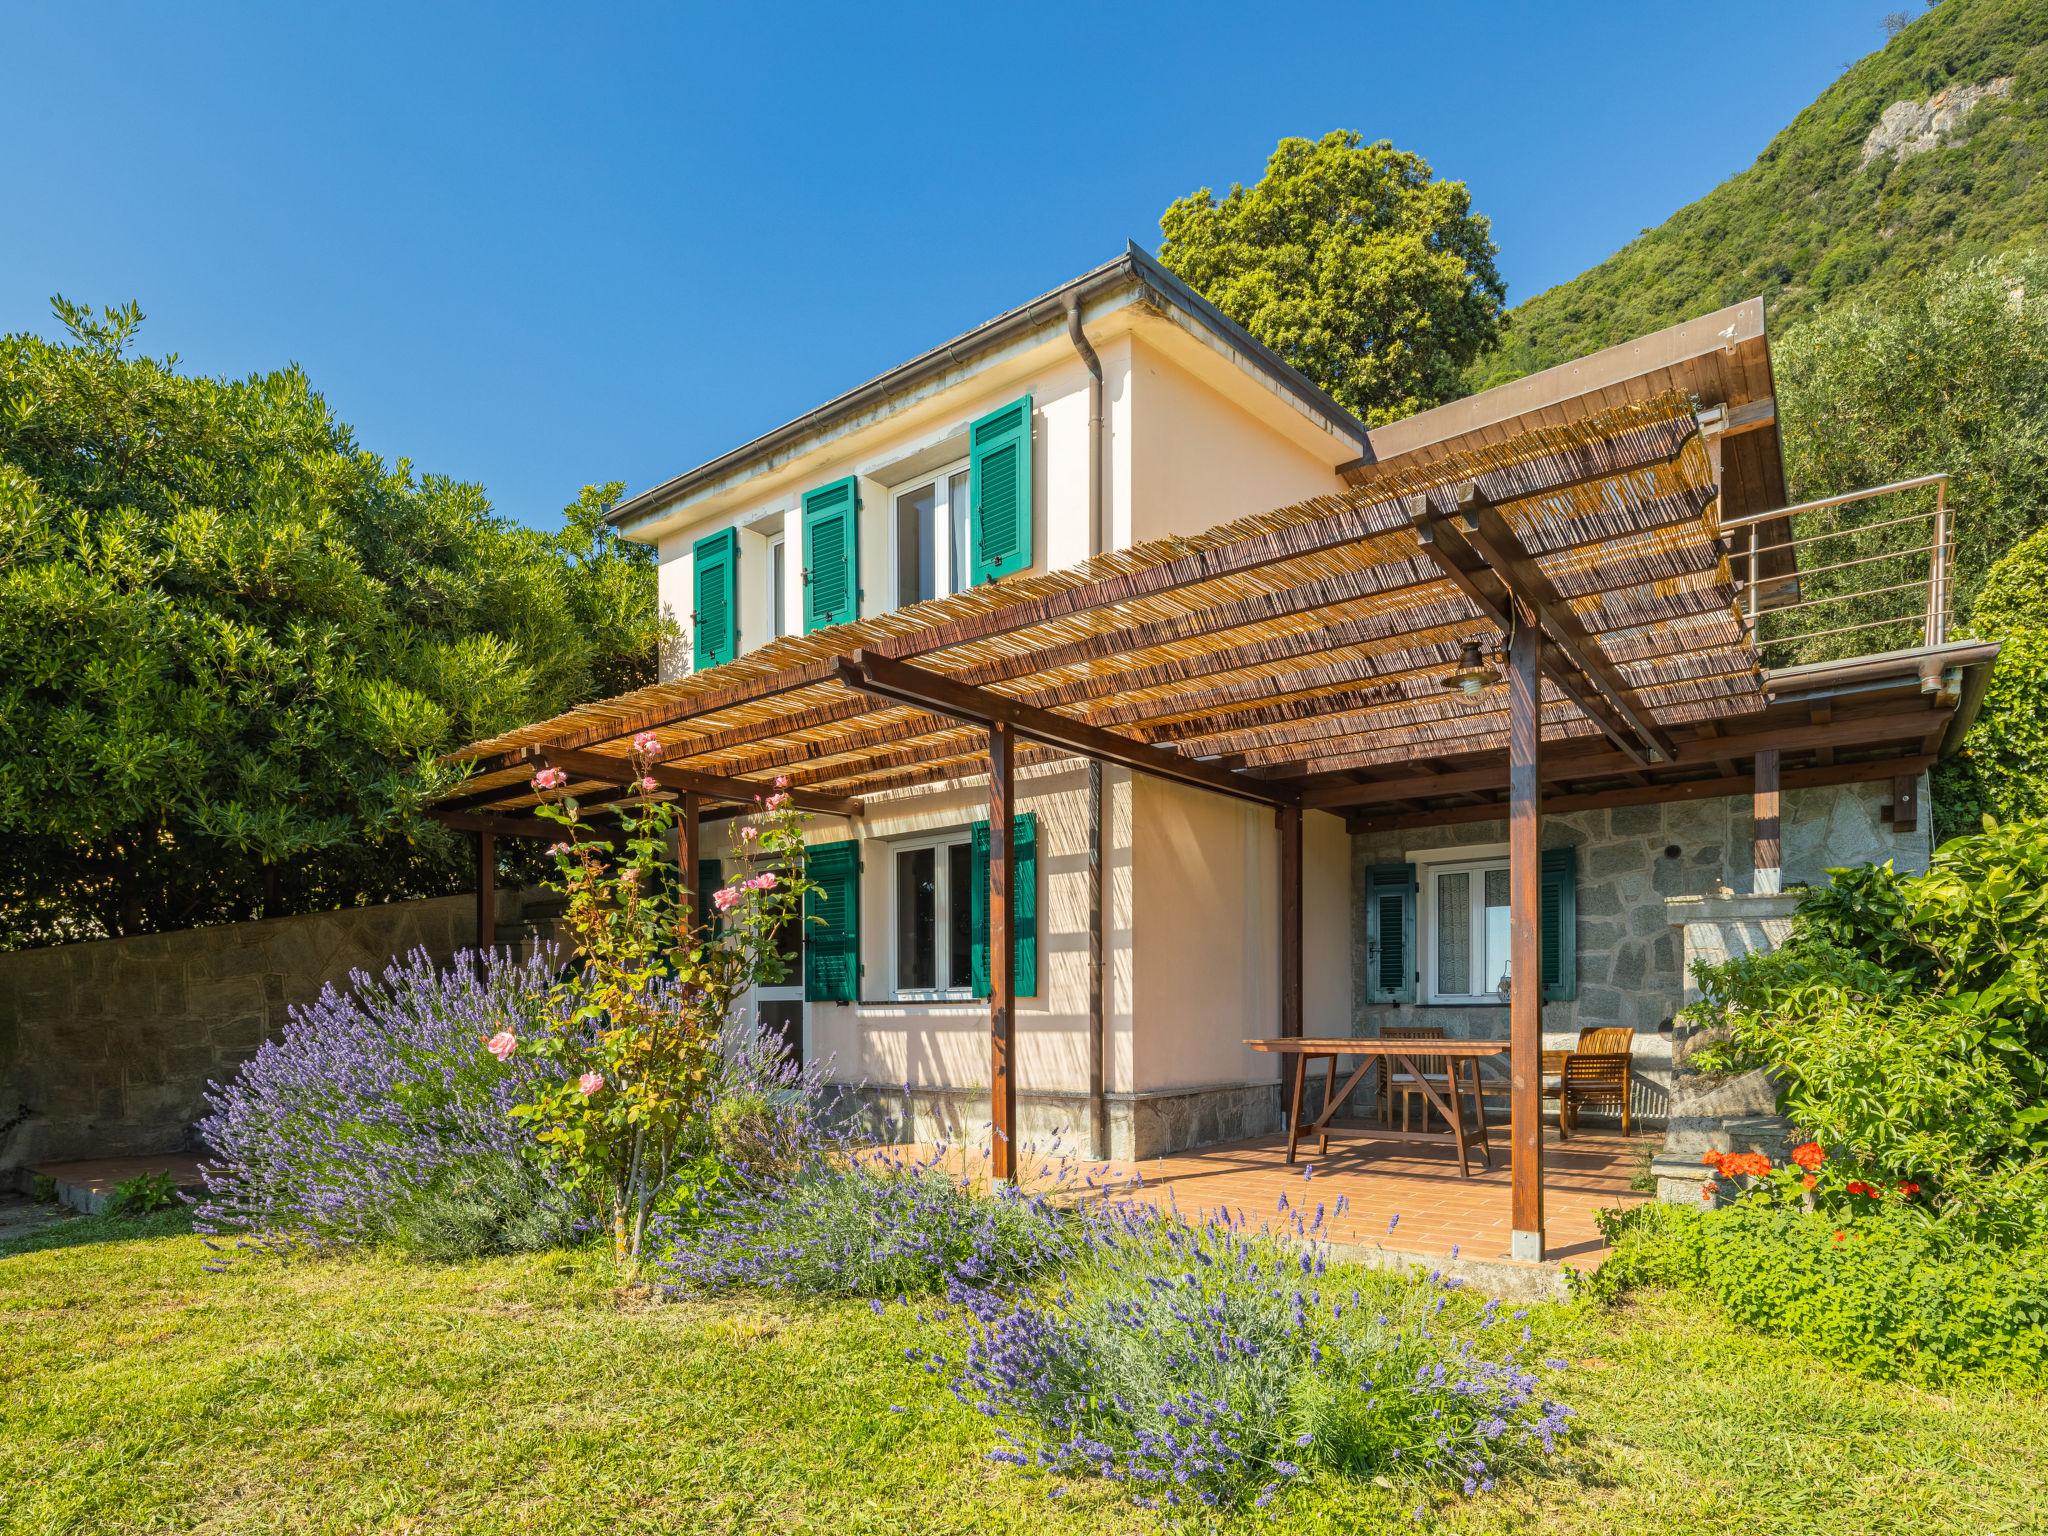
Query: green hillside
[1809,222]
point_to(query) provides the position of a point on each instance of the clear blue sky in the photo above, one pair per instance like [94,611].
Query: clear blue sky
[538,246]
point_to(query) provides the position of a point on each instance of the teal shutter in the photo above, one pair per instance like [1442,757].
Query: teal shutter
[716,562]
[831,554]
[999,490]
[710,876]
[832,924]
[1023,907]
[1560,941]
[1390,933]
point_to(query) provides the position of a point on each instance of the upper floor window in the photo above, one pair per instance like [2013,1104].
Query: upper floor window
[778,587]
[932,538]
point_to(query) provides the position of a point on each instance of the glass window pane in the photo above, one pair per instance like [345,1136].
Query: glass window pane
[916,544]
[957,525]
[1454,933]
[959,915]
[778,589]
[1493,961]
[917,903]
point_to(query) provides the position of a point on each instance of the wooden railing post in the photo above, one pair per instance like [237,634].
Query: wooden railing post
[1002,976]
[1525,943]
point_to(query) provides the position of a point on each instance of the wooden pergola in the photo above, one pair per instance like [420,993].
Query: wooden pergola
[1298,660]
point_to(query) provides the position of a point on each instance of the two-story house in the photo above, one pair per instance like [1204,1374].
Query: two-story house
[1342,675]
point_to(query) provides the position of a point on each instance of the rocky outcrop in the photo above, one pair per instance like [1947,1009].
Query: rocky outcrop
[1914,127]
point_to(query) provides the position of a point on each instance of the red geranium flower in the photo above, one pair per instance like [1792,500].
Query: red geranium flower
[1909,1190]
[1809,1181]
[1839,1235]
[1809,1155]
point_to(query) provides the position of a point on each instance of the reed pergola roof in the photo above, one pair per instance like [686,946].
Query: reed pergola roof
[1296,657]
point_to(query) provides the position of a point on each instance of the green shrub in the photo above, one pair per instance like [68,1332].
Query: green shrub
[1890,1294]
[141,1195]
[483,1205]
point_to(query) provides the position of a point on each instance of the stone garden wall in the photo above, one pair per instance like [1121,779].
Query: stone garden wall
[109,1046]
[1632,859]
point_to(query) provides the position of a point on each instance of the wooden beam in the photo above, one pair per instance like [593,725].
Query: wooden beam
[619,770]
[1463,565]
[1768,854]
[486,890]
[1290,920]
[1525,946]
[516,826]
[931,690]
[1497,544]
[1588,760]
[1002,977]
[1648,794]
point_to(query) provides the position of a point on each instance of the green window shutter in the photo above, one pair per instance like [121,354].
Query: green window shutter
[1560,940]
[1023,907]
[999,468]
[1390,933]
[710,876]
[832,924]
[716,561]
[831,554]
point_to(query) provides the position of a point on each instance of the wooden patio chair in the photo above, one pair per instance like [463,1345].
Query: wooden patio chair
[1435,1069]
[1598,1071]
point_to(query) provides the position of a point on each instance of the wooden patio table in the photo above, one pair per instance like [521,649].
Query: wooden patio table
[1463,1056]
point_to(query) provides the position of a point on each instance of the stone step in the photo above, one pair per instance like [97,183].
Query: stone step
[87,1186]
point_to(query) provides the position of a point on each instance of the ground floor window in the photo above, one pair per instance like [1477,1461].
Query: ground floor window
[932,916]
[1465,931]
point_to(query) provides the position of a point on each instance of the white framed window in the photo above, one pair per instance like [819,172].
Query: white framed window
[778,586]
[928,535]
[1464,930]
[931,920]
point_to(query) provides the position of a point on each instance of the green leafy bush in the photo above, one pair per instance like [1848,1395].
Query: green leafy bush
[141,1195]
[483,1205]
[1889,1293]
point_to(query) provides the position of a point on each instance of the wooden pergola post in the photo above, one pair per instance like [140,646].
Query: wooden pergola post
[689,841]
[1769,879]
[1290,920]
[1002,977]
[486,890]
[1525,927]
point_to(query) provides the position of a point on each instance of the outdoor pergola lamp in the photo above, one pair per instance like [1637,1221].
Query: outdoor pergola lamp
[1473,676]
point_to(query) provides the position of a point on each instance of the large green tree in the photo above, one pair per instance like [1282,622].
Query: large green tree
[232,642]
[1353,262]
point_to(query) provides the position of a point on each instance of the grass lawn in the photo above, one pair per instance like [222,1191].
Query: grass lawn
[138,1393]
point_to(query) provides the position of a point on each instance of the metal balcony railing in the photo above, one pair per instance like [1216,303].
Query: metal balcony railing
[1900,566]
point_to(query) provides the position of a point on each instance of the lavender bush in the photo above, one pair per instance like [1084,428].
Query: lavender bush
[376,1100]
[1207,1365]
[876,1225]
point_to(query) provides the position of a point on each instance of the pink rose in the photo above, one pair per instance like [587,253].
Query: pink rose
[647,784]
[762,882]
[782,781]
[648,745]
[726,898]
[777,801]
[748,834]
[550,778]
[558,849]
[502,1044]
[589,1083]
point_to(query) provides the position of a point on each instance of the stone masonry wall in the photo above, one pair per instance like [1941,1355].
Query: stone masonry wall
[1631,858]
[110,1045]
